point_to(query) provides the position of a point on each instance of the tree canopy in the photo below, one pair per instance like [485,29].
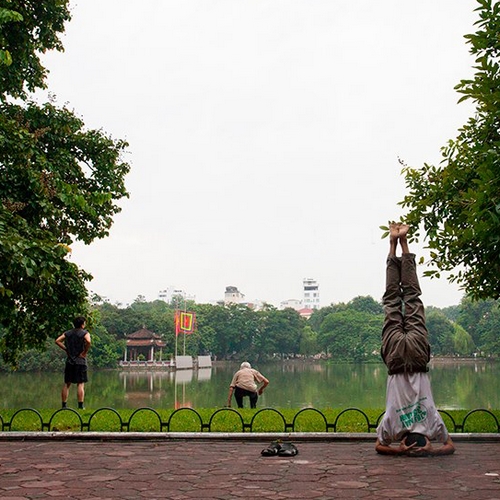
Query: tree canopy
[456,206]
[60,184]
[27,30]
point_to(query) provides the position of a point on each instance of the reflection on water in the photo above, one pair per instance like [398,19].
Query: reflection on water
[204,373]
[183,376]
[466,385]
[148,387]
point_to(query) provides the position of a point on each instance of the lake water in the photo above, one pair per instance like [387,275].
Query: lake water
[456,385]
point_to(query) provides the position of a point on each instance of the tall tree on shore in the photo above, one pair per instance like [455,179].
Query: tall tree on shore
[60,184]
[456,206]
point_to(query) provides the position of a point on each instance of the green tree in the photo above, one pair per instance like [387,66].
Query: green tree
[106,351]
[472,314]
[318,315]
[451,312]
[351,335]
[27,30]
[457,205]
[112,318]
[308,344]
[60,184]
[365,304]
[47,357]
[441,332]
[241,330]
[280,332]
[464,345]
[211,321]
[6,16]
[489,329]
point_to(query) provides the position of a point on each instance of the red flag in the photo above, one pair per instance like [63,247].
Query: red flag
[186,322]
[177,322]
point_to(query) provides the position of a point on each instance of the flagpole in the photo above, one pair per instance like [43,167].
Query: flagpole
[176,333]
[185,310]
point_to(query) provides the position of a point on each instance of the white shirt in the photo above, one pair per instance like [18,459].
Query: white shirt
[247,378]
[410,408]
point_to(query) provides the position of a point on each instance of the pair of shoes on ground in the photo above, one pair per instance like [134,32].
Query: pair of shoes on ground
[282,449]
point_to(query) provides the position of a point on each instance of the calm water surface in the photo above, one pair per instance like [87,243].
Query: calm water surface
[456,385]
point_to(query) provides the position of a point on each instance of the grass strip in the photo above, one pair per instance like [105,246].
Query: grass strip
[226,420]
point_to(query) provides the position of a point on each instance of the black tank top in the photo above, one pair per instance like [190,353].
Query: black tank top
[75,345]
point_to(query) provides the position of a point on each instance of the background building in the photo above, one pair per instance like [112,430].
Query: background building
[311,294]
[168,294]
[291,304]
[233,296]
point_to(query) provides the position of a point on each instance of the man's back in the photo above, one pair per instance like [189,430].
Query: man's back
[75,345]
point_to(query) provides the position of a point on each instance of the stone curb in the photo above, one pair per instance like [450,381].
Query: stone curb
[221,436]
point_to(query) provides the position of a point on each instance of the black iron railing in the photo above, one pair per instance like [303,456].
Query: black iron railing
[222,420]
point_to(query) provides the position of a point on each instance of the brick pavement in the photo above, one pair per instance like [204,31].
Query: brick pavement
[232,469]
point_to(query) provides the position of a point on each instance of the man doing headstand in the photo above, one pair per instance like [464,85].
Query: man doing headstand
[411,418]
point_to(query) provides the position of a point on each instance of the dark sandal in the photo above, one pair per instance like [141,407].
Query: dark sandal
[273,450]
[288,450]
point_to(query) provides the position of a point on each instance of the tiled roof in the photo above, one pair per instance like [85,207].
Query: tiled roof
[143,333]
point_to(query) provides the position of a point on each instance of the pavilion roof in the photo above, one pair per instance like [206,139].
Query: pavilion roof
[143,333]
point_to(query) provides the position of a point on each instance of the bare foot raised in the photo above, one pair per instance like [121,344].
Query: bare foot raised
[394,230]
[393,237]
[403,241]
[403,230]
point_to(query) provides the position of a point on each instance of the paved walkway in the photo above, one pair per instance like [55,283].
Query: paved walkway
[232,469]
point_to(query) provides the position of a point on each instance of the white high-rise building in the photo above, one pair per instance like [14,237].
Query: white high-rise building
[311,293]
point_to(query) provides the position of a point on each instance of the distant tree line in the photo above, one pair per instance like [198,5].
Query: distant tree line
[340,332]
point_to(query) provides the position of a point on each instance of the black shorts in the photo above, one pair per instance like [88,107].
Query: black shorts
[75,374]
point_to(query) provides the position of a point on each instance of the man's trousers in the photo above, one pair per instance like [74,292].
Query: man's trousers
[405,345]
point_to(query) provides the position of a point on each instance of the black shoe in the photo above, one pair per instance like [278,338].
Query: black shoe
[288,450]
[273,449]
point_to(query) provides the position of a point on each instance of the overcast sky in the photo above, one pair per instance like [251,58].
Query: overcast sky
[264,137]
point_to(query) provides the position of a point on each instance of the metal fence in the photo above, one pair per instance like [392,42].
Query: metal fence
[221,420]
